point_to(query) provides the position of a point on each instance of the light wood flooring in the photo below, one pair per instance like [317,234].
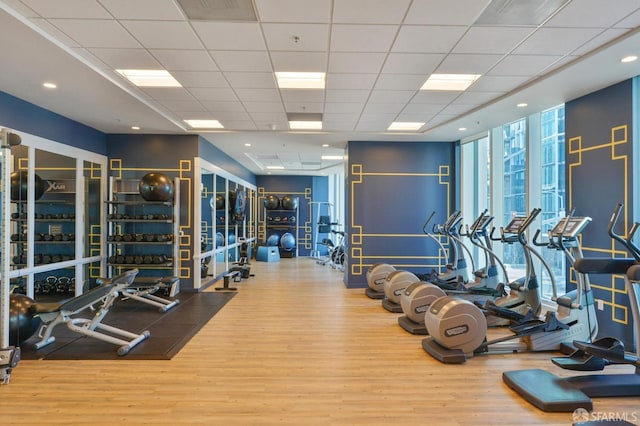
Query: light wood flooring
[293,347]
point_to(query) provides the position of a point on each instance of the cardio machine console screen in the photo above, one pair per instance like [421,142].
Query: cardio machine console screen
[574,227]
[514,226]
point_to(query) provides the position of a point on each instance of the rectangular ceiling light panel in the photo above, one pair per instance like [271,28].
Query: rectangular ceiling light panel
[405,125]
[454,82]
[519,12]
[204,124]
[150,78]
[300,80]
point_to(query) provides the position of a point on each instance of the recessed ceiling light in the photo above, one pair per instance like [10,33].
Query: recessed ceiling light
[332,157]
[522,105]
[49,85]
[300,80]
[275,167]
[247,144]
[204,124]
[325,145]
[405,125]
[135,127]
[630,58]
[305,125]
[462,129]
[454,82]
[150,78]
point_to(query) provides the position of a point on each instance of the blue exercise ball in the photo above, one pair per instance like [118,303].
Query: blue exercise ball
[273,240]
[231,238]
[22,322]
[288,241]
[219,239]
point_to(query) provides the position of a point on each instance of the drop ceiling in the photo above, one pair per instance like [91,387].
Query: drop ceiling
[376,55]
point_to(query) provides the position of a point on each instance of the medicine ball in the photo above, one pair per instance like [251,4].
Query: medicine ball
[289,202]
[271,202]
[22,323]
[217,202]
[288,241]
[19,186]
[156,187]
[273,240]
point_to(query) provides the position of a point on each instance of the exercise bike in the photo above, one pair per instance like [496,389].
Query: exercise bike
[457,327]
[549,392]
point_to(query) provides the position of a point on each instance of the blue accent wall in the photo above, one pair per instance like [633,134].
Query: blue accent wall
[599,167]
[307,189]
[392,187]
[29,118]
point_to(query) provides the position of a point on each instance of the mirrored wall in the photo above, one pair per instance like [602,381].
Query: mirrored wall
[227,230]
[55,218]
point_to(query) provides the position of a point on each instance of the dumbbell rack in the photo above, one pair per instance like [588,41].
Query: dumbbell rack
[141,234]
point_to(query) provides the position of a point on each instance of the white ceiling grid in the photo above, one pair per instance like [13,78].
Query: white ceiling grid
[376,53]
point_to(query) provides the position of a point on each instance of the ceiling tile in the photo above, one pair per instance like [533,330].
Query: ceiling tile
[258,95]
[522,65]
[21,8]
[412,63]
[86,9]
[166,10]
[423,109]
[54,32]
[233,115]
[168,93]
[163,34]
[279,125]
[445,12]
[299,61]
[297,37]
[310,107]
[492,39]
[350,81]
[592,13]
[249,80]
[200,78]
[434,97]
[360,63]
[96,33]
[362,38]
[467,64]
[215,106]
[599,40]
[269,116]
[413,118]
[302,95]
[491,83]
[183,106]
[391,96]
[382,108]
[126,58]
[230,35]
[375,122]
[318,11]
[400,81]
[185,60]
[249,61]
[343,107]
[264,107]
[339,126]
[213,94]
[556,41]
[456,109]
[476,98]
[347,95]
[631,21]
[369,11]
[427,39]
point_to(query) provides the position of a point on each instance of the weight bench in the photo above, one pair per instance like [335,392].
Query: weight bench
[226,280]
[99,300]
[143,289]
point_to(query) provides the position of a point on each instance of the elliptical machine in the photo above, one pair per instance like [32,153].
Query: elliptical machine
[458,327]
[549,392]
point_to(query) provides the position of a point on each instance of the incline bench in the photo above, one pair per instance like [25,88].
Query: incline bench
[101,297]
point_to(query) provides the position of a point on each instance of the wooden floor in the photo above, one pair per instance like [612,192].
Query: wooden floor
[293,347]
